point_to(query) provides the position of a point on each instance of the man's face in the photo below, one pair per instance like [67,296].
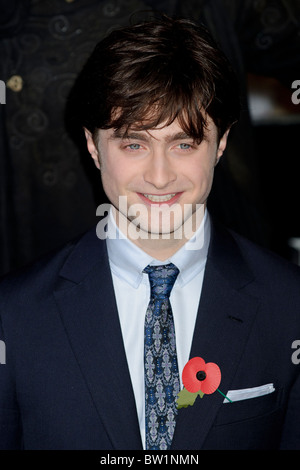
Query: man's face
[163,174]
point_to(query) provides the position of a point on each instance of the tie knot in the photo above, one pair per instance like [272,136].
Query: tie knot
[162,279]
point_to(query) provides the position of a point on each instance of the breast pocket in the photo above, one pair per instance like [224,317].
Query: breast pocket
[255,423]
[248,408]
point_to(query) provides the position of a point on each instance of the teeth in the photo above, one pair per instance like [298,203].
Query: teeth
[155,198]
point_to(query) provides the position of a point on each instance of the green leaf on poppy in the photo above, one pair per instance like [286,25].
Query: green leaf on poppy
[186,398]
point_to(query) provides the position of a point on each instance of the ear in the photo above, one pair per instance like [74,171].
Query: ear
[92,147]
[222,145]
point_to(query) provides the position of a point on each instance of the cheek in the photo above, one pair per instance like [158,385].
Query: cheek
[110,182]
[202,176]
[109,177]
[116,176]
[201,168]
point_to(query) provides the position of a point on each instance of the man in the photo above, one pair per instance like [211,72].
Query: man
[91,357]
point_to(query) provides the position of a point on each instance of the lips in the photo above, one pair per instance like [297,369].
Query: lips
[156,198]
[160,198]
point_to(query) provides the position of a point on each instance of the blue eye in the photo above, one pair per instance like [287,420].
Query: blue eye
[134,146]
[185,146]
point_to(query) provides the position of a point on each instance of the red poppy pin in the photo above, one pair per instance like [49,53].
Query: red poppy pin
[198,378]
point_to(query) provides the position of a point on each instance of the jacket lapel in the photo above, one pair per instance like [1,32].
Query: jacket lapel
[88,310]
[225,316]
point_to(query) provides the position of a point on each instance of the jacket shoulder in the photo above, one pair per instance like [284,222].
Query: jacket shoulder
[41,277]
[263,260]
[243,262]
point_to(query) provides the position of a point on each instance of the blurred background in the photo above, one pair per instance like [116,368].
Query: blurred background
[49,187]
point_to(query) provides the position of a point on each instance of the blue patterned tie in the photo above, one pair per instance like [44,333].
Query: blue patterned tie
[160,359]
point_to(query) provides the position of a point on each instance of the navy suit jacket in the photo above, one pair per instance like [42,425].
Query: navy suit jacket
[65,382]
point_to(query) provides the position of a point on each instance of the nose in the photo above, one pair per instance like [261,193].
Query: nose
[160,171]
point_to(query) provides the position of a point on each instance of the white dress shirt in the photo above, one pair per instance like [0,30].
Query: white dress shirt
[132,291]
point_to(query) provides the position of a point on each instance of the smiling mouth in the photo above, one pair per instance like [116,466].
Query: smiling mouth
[159,198]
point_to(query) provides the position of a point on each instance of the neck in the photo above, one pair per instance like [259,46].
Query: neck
[160,248]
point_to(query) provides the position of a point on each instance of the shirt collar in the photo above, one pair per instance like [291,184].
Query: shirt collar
[127,260]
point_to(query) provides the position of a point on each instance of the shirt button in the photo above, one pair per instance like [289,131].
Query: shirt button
[15,83]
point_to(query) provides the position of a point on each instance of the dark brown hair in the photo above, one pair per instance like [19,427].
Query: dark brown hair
[154,72]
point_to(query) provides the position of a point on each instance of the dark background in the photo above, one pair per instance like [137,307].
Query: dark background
[49,187]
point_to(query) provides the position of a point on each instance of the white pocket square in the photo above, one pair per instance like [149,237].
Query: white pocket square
[246,393]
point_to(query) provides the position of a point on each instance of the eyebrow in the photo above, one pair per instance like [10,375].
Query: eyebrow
[145,137]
